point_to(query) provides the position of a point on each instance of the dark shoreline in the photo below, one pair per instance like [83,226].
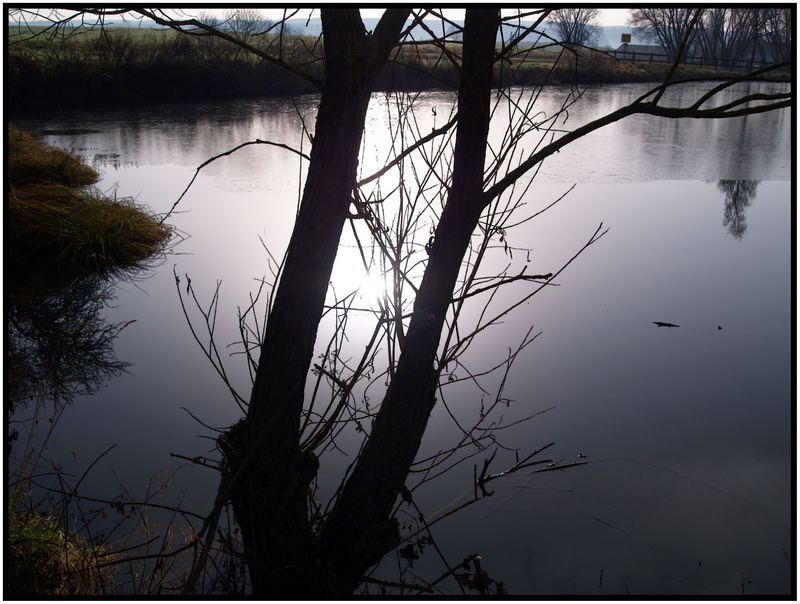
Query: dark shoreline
[31,87]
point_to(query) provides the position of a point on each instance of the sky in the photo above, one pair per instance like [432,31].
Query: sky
[607,17]
[613,16]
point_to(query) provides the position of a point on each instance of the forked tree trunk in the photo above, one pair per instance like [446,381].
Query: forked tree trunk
[360,529]
[268,474]
[269,477]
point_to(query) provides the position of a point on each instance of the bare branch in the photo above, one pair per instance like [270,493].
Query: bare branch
[258,141]
[194,26]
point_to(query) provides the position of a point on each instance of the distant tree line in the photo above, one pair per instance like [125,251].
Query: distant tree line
[108,66]
[80,66]
[728,34]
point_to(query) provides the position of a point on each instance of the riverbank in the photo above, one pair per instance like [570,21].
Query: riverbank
[60,230]
[133,67]
[42,559]
[66,240]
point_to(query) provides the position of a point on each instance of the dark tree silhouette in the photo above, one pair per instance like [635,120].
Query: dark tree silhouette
[59,346]
[739,194]
[575,26]
[721,34]
[667,26]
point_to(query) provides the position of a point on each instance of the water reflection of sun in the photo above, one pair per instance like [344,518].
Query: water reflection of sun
[350,277]
[372,286]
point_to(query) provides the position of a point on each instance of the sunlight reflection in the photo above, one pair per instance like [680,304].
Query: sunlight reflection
[373,286]
[350,277]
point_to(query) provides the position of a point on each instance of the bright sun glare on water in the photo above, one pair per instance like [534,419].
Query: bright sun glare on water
[371,287]
[349,276]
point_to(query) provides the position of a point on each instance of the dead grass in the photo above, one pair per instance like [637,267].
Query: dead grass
[44,560]
[31,162]
[60,231]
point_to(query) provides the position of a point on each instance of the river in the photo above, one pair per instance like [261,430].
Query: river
[687,430]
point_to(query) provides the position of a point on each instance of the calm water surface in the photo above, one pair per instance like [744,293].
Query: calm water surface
[687,430]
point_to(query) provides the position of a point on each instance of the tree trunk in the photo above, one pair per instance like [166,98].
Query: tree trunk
[269,476]
[360,529]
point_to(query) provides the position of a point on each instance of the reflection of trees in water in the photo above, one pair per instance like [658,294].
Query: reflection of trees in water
[60,346]
[739,194]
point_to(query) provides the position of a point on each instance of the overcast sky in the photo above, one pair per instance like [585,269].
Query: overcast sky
[613,16]
[608,16]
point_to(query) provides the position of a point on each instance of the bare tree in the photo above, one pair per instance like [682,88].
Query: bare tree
[739,194]
[576,26]
[246,25]
[746,34]
[778,33]
[721,34]
[667,26]
[466,190]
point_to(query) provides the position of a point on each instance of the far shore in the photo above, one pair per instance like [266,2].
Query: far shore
[146,68]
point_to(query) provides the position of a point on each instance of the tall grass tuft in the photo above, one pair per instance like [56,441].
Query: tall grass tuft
[42,559]
[60,231]
[30,162]
[64,240]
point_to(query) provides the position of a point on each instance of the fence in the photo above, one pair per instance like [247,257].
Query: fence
[655,57]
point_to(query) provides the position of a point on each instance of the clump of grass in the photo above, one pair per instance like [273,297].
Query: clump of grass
[42,559]
[60,230]
[30,161]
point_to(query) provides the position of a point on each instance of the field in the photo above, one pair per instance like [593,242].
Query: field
[116,66]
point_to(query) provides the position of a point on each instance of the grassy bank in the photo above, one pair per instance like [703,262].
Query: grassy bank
[42,559]
[62,240]
[90,67]
[59,230]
